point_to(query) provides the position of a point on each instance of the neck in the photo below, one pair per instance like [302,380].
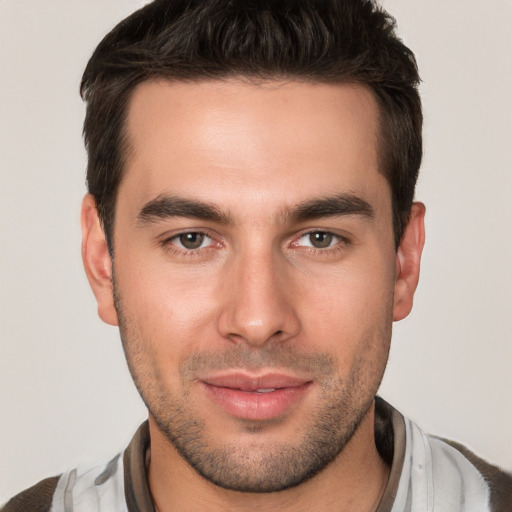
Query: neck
[354,481]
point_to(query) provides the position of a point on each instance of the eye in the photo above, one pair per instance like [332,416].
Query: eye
[192,240]
[319,239]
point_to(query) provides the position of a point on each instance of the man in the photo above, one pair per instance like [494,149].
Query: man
[251,229]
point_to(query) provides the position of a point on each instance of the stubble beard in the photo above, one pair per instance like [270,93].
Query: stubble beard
[258,467]
[262,467]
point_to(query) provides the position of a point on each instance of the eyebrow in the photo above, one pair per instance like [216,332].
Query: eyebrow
[169,206]
[331,206]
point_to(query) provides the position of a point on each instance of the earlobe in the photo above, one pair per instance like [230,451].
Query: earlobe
[97,261]
[408,259]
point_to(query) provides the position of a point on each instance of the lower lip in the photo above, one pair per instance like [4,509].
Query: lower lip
[256,406]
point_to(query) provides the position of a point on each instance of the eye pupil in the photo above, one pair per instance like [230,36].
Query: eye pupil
[320,239]
[192,240]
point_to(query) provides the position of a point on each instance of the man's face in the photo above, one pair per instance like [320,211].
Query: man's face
[254,272]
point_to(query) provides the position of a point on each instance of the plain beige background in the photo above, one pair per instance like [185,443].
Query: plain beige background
[65,395]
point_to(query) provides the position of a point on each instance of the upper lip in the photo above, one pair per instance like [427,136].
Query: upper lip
[247,382]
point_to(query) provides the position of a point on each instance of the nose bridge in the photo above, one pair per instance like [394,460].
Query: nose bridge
[258,306]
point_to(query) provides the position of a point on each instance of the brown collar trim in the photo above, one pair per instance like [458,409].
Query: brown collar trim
[390,421]
[136,487]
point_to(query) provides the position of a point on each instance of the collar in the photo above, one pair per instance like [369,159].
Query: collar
[389,438]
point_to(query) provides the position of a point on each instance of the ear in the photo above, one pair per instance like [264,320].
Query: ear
[97,261]
[408,259]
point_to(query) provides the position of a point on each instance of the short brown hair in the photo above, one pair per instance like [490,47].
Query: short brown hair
[328,41]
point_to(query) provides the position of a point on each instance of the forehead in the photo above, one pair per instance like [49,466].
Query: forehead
[275,141]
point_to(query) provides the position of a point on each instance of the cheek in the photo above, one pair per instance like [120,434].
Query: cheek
[167,306]
[350,308]
[162,322]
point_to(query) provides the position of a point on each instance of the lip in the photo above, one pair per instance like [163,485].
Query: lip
[256,397]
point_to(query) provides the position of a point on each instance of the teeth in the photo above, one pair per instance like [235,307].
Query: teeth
[268,390]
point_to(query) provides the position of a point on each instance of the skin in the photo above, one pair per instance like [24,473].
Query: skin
[271,287]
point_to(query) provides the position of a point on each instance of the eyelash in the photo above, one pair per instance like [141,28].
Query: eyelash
[340,244]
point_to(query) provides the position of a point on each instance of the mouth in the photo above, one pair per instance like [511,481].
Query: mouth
[256,398]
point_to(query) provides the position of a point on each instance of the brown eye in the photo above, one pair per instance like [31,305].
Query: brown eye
[321,239]
[191,240]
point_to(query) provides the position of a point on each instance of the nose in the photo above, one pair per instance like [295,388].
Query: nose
[258,304]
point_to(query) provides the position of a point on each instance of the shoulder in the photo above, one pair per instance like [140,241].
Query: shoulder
[498,481]
[119,484]
[451,477]
[82,489]
[37,498]
[431,473]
